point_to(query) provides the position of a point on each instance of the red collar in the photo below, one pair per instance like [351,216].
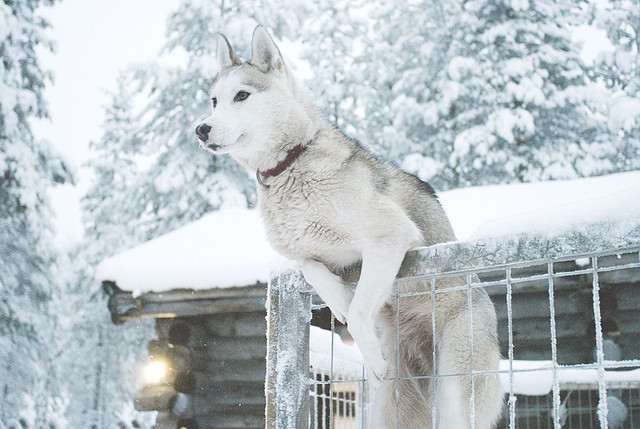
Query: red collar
[292,155]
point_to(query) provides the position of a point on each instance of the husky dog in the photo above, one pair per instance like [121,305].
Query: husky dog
[330,204]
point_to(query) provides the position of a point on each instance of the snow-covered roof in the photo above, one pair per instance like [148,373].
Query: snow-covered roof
[223,249]
[548,208]
[229,248]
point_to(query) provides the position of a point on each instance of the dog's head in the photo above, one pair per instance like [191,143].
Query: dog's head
[250,100]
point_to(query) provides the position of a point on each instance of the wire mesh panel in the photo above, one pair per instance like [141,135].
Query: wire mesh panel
[338,391]
[568,328]
[585,325]
[579,408]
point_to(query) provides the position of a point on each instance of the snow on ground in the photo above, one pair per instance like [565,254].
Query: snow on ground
[535,378]
[229,248]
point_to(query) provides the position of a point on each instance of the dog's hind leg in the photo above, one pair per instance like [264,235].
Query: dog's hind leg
[330,287]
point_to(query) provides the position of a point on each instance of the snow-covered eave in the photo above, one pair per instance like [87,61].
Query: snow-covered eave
[223,249]
[125,305]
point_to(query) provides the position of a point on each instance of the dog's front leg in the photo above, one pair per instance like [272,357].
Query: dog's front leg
[380,266]
[330,287]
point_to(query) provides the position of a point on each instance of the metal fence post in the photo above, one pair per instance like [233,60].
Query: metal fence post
[287,380]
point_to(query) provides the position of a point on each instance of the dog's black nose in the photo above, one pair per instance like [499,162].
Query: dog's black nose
[202,131]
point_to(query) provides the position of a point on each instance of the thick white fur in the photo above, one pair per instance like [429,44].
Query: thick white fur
[338,206]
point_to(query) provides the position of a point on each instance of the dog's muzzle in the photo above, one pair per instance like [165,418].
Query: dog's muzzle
[202,131]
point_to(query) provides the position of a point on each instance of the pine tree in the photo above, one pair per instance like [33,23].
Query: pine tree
[503,99]
[333,40]
[115,168]
[29,386]
[619,71]
[401,58]
[98,359]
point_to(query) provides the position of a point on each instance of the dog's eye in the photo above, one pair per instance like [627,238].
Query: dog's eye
[241,96]
[214,102]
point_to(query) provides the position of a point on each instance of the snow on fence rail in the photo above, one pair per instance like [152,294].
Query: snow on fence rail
[574,276]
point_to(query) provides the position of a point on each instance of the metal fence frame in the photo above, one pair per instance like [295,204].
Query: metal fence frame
[290,301]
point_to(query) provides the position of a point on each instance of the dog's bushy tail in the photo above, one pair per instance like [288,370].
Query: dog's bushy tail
[418,396]
[402,404]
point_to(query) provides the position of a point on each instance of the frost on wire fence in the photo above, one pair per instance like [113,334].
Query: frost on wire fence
[568,326]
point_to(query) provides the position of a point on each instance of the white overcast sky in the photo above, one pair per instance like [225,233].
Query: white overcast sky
[95,39]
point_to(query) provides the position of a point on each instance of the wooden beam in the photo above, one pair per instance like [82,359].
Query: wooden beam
[180,303]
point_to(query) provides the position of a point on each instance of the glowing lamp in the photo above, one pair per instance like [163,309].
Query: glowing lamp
[155,372]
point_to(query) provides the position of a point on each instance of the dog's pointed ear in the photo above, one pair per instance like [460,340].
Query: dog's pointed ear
[264,52]
[226,56]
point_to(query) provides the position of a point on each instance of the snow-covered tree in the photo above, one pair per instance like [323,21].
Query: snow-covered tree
[510,101]
[29,385]
[401,58]
[99,360]
[333,40]
[459,92]
[619,71]
[115,168]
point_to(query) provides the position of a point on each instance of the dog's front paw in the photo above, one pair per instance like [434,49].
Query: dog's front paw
[363,331]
